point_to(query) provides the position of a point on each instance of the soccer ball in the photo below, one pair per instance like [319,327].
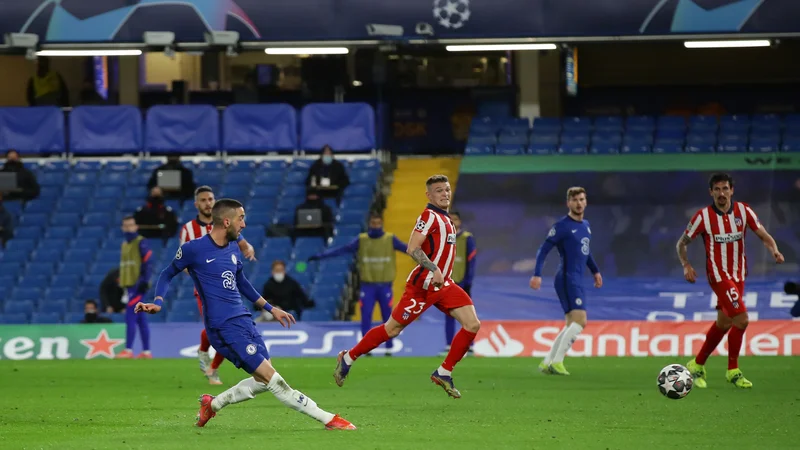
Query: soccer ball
[675,381]
[451,14]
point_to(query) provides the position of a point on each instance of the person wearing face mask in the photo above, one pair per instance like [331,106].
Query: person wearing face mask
[90,314]
[186,191]
[156,220]
[376,268]
[135,268]
[313,201]
[284,292]
[27,185]
[328,175]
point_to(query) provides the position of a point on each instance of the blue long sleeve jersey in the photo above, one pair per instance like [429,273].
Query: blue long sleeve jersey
[218,277]
[353,246]
[571,238]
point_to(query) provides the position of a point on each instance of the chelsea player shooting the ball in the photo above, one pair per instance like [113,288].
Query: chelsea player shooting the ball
[215,264]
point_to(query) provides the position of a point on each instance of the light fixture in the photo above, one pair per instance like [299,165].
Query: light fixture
[498,47]
[307,51]
[109,52]
[727,44]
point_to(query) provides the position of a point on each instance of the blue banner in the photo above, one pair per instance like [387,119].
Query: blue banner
[273,20]
[308,339]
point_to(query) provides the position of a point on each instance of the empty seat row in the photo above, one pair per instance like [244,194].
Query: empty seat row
[187,129]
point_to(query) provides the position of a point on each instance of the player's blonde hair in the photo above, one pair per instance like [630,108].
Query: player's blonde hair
[575,190]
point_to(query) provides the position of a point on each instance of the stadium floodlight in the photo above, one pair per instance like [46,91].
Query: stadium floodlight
[97,52]
[498,47]
[727,44]
[25,41]
[307,51]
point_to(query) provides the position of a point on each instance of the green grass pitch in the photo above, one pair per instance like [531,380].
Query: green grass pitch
[607,403]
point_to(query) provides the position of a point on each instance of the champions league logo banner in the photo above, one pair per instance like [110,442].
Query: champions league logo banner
[279,20]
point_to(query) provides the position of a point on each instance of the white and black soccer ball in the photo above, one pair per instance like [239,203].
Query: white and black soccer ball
[675,381]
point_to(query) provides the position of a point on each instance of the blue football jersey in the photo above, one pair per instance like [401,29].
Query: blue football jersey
[572,238]
[218,277]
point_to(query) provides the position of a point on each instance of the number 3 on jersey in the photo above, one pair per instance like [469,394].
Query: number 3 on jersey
[414,304]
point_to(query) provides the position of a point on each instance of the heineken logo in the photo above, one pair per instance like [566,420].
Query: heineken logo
[49,342]
[101,345]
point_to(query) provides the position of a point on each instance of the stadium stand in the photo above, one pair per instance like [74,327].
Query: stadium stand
[69,238]
[634,134]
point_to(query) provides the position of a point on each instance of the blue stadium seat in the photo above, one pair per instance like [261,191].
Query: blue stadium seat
[58,293]
[350,218]
[667,147]
[734,124]
[789,145]
[39,219]
[671,123]
[511,149]
[513,137]
[18,307]
[551,124]
[82,178]
[118,166]
[30,232]
[701,142]
[40,206]
[109,191]
[306,247]
[53,179]
[703,124]
[732,142]
[764,143]
[278,244]
[14,318]
[576,125]
[61,232]
[478,149]
[183,315]
[73,317]
[53,306]
[45,318]
[71,206]
[642,124]
[608,124]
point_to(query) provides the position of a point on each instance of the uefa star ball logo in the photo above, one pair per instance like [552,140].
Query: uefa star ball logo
[102,20]
[451,14]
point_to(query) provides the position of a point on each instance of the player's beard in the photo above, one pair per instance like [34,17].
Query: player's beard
[232,235]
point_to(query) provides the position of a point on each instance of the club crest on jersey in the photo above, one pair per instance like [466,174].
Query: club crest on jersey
[738,221]
[179,254]
[552,232]
[233,258]
[451,238]
[250,349]
[420,225]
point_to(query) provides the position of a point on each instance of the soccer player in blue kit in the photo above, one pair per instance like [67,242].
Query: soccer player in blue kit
[571,236]
[215,264]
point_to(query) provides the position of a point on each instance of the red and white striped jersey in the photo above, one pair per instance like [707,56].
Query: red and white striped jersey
[194,229]
[723,235]
[440,246]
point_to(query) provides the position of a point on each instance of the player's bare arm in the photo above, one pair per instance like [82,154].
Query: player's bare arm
[688,271]
[286,319]
[770,243]
[418,255]
[247,250]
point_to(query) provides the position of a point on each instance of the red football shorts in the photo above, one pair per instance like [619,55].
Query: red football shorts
[199,302]
[416,300]
[730,297]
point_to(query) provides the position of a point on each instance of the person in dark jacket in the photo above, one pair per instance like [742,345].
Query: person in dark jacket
[90,314]
[28,185]
[6,224]
[47,87]
[313,201]
[327,175]
[110,292]
[155,219]
[284,291]
[187,179]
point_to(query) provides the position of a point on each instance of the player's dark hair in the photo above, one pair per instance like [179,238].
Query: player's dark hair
[222,208]
[90,302]
[433,179]
[279,262]
[375,215]
[129,217]
[719,177]
[575,190]
[202,189]
[455,213]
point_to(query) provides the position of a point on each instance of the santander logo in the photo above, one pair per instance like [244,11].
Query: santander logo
[499,343]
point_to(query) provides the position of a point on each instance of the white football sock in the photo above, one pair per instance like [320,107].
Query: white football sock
[246,389]
[347,359]
[570,334]
[297,400]
[554,348]
[444,372]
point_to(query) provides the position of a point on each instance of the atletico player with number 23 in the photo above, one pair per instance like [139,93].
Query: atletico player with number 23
[723,226]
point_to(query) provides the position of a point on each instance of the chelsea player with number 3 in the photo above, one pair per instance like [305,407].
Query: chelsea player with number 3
[571,235]
[215,265]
